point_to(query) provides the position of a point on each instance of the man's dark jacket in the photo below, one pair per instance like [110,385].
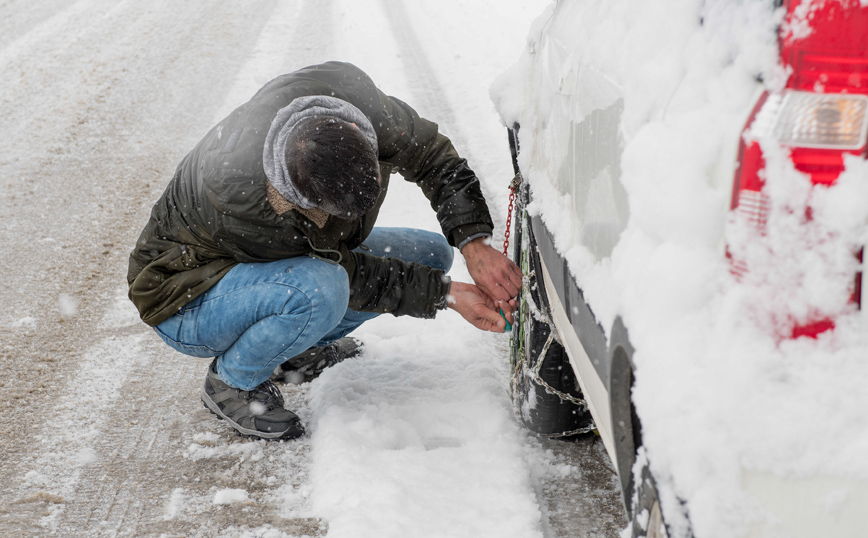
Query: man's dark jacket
[219,209]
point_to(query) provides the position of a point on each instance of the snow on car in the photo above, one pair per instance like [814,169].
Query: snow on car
[692,214]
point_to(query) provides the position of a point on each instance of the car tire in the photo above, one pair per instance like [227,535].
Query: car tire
[544,387]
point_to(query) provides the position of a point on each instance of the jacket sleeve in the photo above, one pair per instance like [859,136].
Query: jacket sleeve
[392,286]
[428,159]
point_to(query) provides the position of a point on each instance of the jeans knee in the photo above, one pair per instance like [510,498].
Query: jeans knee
[331,295]
[442,255]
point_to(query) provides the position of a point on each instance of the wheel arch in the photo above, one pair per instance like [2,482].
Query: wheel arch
[626,428]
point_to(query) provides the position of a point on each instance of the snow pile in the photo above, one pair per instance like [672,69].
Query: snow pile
[67,305]
[230,496]
[176,504]
[27,321]
[720,395]
[395,434]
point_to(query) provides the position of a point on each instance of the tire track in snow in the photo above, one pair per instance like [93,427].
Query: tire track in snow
[427,89]
[112,498]
[419,72]
[58,52]
[68,439]
[22,46]
[98,475]
[74,179]
[297,34]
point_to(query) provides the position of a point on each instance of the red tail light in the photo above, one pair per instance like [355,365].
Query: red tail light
[825,43]
[820,116]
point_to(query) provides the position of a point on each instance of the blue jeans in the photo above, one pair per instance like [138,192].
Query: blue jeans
[262,314]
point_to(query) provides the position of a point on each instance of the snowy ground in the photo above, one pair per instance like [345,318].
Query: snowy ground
[102,431]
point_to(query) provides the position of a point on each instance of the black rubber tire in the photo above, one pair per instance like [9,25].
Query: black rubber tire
[541,411]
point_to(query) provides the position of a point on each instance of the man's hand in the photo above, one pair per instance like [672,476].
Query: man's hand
[494,273]
[478,308]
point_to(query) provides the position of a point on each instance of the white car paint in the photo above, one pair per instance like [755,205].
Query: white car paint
[592,386]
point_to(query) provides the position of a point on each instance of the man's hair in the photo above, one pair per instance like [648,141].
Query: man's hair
[332,164]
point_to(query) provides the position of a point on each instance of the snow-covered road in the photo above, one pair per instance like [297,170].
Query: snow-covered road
[102,431]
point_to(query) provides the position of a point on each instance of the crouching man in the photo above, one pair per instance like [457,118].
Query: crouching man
[262,251]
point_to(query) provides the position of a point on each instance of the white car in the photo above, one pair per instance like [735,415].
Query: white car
[691,210]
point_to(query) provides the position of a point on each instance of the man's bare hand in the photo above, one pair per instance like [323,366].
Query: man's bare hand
[494,273]
[478,308]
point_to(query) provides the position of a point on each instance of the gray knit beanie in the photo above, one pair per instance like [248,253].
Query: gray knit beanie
[286,120]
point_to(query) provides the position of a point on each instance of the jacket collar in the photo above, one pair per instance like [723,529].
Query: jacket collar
[281,206]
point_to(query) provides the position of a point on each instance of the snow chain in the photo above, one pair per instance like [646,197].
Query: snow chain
[551,390]
[513,185]
[534,374]
[583,405]
[517,337]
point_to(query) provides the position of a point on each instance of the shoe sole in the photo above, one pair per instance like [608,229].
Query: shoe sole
[292,432]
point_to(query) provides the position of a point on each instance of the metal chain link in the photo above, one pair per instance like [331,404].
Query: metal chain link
[522,367]
[512,186]
[534,373]
[548,388]
[581,431]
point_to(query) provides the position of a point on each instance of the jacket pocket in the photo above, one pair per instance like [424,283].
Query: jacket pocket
[175,278]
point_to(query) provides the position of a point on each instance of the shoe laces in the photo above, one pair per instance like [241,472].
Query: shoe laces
[330,358]
[267,392]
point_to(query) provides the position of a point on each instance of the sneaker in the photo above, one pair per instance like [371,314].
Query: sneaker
[310,364]
[252,413]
